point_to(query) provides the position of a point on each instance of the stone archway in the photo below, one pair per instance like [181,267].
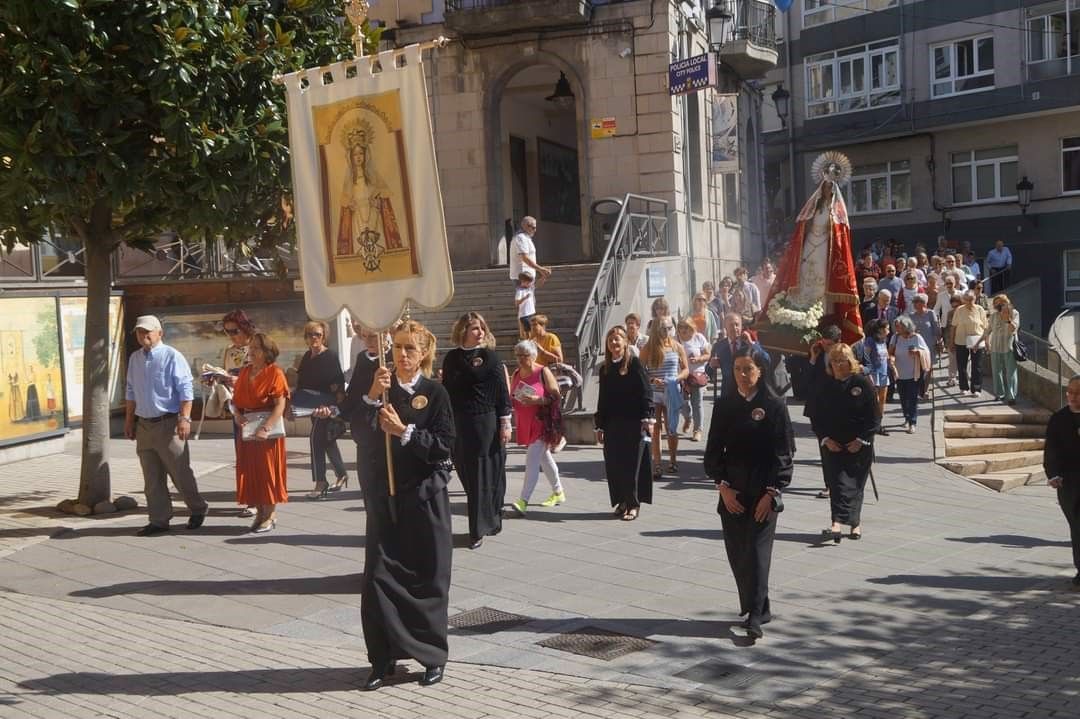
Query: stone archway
[537,156]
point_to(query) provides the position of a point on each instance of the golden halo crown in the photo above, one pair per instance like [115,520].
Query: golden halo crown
[360,133]
[831,166]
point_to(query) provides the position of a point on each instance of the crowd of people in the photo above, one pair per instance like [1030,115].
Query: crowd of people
[413,426]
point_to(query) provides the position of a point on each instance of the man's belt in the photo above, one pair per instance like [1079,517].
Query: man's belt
[167,415]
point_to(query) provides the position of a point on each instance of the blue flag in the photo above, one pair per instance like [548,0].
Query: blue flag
[782,5]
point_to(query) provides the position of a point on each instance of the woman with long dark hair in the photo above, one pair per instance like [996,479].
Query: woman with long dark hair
[623,420]
[479,393]
[749,457]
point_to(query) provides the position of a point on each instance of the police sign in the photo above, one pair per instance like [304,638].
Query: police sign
[692,74]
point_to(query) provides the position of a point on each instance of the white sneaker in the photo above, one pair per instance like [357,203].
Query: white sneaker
[910,429]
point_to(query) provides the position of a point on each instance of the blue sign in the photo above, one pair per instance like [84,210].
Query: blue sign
[692,74]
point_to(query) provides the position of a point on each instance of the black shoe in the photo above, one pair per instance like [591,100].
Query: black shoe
[477,543]
[883,432]
[432,675]
[195,521]
[379,671]
[754,631]
[151,530]
[854,534]
[1076,580]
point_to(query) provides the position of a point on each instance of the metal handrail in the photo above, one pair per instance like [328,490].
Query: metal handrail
[755,21]
[1040,351]
[1056,340]
[640,230]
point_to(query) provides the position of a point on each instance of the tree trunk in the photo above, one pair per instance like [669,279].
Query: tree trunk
[95,483]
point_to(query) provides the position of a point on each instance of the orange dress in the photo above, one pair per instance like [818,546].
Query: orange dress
[260,465]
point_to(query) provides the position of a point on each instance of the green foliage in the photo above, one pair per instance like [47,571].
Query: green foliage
[156,114]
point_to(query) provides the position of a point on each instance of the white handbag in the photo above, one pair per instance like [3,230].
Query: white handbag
[256,420]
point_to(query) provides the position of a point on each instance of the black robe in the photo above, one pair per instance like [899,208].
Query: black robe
[750,447]
[476,382]
[624,400]
[847,410]
[1061,458]
[405,597]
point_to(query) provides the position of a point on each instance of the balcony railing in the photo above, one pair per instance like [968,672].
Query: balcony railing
[481,17]
[750,47]
[755,21]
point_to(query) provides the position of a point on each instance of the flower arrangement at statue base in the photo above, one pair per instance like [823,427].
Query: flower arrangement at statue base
[788,318]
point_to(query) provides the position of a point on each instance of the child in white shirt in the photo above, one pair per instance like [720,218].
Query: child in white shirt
[525,298]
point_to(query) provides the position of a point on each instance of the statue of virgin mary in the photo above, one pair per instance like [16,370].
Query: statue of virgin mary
[817,266]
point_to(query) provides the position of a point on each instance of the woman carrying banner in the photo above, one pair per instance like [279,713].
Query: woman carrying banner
[623,420]
[404,601]
[479,393]
[748,455]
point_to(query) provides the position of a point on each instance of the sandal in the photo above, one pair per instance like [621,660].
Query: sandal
[631,514]
[673,468]
[620,510]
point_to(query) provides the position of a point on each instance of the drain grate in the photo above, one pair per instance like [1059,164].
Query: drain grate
[724,674]
[487,620]
[597,643]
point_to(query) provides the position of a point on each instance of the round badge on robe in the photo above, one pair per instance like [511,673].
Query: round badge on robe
[477,361]
[856,391]
[419,402]
[758,414]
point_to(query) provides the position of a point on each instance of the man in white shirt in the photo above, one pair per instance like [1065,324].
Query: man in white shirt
[951,270]
[998,266]
[523,252]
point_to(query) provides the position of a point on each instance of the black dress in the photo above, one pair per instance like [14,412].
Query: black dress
[1061,458]
[624,401]
[750,447]
[847,411]
[405,597]
[476,382]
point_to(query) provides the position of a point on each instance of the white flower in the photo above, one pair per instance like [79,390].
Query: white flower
[782,313]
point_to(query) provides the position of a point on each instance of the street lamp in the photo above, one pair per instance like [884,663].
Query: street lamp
[563,96]
[780,98]
[719,15]
[1023,194]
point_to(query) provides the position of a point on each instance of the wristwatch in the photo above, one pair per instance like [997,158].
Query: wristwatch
[183,418]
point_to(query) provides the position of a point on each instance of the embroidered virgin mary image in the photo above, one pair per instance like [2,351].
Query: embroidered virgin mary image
[367,208]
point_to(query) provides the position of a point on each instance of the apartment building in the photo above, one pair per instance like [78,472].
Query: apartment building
[961,119]
[548,107]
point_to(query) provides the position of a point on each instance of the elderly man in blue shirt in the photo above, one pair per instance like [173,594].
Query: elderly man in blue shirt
[158,417]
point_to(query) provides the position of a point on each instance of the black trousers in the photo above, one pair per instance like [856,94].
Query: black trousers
[963,354]
[1069,499]
[749,545]
[845,476]
[321,448]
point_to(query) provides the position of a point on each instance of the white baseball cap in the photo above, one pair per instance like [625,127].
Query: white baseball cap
[148,322]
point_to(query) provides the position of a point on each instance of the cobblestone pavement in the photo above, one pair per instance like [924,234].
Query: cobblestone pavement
[955,604]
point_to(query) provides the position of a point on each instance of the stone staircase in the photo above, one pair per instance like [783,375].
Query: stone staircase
[996,445]
[491,293]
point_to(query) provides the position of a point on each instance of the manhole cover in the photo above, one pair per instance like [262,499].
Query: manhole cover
[724,674]
[597,643]
[486,619]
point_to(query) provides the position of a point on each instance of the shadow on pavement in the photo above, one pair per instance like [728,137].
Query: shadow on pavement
[302,540]
[969,582]
[334,584]
[249,681]
[1011,540]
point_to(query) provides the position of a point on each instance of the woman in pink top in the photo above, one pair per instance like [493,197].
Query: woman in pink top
[532,386]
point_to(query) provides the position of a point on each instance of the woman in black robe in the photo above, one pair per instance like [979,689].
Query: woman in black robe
[845,427]
[748,455]
[405,597]
[479,393]
[624,418]
[1061,460]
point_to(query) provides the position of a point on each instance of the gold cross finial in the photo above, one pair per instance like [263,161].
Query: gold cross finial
[357,12]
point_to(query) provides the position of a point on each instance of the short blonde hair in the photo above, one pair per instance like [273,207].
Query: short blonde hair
[1001,296]
[840,349]
[425,341]
[318,325]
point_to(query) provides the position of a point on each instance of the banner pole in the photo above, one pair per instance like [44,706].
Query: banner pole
[390,483]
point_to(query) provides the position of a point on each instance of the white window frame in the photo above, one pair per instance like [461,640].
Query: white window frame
[829,7]
[974,164]
[1066,288]
[1071,150]
[953,77]
[831,63]
[868,178]
[1047,37]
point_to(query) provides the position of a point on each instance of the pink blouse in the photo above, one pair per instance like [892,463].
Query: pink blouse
[529,426]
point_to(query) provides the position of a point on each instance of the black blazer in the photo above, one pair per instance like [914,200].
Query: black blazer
[750,444]
[1061,453]
[421,467]
[847,410]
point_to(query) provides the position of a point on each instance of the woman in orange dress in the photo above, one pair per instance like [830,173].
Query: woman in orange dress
[260,462]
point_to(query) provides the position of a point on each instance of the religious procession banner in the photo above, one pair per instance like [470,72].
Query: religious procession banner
[369,214]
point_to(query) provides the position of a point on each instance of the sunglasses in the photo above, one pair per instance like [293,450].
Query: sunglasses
[313,334]
[232,332]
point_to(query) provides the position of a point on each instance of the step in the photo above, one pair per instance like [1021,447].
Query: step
[980,446]
[971,430]
[1011,479]
[999,414]
[988,464]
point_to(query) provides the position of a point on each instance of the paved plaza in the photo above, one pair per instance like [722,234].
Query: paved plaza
[956,603]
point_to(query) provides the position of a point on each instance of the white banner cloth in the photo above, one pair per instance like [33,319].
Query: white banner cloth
[369,216]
